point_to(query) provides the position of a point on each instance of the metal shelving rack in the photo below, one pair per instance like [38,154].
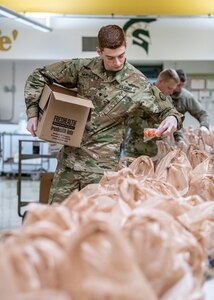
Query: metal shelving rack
[45,157]
[9,152]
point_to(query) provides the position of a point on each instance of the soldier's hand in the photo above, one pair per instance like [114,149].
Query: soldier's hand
[32,125]
[205,134]
[168,126]
[204,129]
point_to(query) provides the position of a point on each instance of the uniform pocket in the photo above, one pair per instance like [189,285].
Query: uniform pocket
[120,104]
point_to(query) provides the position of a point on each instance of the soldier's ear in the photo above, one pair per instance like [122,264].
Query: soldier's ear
[99,52]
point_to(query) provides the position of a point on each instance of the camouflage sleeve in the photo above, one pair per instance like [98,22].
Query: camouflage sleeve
[32,92]
[198,112]
[64,73]
[159,106]
[178,136]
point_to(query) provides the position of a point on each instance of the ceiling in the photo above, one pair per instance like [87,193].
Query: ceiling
[115,7]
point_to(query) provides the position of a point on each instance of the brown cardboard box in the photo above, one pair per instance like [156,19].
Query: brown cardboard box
[63,116]
[53,148]
[45,184]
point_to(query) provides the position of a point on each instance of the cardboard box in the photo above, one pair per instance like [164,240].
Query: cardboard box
[53,148]
[62,116]
[45,184]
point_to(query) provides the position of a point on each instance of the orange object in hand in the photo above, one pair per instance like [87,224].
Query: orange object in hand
[151,133]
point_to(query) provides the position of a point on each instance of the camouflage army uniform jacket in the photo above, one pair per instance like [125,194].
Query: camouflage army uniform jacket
[185,102]
[134,143]
[114,95]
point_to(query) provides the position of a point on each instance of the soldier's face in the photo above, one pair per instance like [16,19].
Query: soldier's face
[179,87]
[167,87]
[113,59]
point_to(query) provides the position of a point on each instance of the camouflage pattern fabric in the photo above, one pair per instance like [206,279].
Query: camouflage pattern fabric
[185,102]
[178,135]
[134,144]
[67,180]
[115,96]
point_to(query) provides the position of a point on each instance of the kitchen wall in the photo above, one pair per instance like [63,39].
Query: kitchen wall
[174,42]
[166,38]
[13,74]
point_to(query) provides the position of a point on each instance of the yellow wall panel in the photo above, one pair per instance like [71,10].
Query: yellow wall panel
[117,7]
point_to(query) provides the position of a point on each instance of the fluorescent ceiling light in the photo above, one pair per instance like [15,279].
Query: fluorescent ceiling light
[18,17]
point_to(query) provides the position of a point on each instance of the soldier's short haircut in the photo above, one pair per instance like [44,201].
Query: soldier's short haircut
[181,75]
[168,74]
[111,36]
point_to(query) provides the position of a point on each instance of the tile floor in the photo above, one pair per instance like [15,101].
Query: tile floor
[9,218]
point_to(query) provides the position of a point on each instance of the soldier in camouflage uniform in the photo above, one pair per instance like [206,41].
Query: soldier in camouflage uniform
[134,144]
[116,89]
[184,101]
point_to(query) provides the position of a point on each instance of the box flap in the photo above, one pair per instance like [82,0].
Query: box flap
[45,97]
[60,89]
[73,99]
